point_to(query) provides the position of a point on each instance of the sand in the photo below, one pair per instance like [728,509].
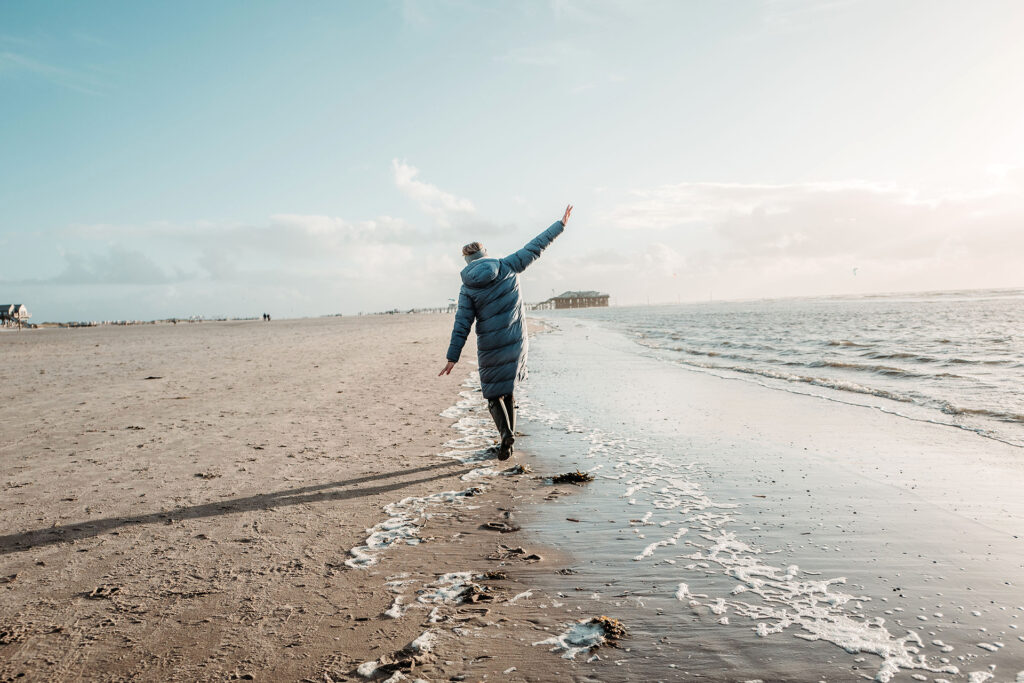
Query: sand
[179,503]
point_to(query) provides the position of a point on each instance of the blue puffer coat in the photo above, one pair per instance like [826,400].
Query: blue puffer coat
[490,295]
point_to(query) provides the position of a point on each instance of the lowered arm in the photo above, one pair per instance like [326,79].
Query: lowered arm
[464,317]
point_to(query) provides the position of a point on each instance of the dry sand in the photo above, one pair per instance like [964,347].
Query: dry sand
[178,503]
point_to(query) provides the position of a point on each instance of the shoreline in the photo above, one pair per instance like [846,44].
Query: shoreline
[180,502]
[747,532]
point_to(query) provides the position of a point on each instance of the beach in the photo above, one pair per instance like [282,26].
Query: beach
[307,500]
[250,500]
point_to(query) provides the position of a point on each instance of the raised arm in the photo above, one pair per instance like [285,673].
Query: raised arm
[531,252]
[464,317]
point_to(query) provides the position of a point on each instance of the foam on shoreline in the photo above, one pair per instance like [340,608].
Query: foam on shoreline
[406,516]
[773,599]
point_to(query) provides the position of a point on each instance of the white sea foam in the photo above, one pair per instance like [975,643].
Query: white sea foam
[447,589]
[671,540]
[425,642]
[403,526]
[406,516]
[577,638]
[367,669]
[397,610]
[775,599]
[479,473]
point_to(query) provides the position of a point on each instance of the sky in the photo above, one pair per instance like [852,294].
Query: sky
[186,158]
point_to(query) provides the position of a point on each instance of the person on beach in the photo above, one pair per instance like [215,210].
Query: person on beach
[490,296]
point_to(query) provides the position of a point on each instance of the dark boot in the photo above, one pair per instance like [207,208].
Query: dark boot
[504,421]
[510,410]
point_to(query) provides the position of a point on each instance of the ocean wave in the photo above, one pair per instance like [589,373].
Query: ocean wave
[852,387]
[886,370]
[711,354]
[982,361]
[962,358]
[726,343]
[883,370]
[829,383]
[1002,416]
[900,355]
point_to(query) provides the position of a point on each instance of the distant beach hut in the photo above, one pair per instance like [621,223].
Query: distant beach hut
[13,315]
[587,299]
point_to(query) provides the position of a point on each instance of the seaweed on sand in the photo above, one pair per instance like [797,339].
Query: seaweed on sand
[613,628]
[494,576]
[587,635]
[576,477]
[476,593]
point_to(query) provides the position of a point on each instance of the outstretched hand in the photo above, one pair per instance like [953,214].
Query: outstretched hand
[565,217]
[447,369]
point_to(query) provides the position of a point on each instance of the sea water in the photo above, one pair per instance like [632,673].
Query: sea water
[952,357]
[761,528]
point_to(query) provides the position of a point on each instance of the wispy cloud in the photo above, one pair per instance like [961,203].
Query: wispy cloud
[547,54]
[595,12]
[90,39]
[799,14]
[432,200]
[13,63]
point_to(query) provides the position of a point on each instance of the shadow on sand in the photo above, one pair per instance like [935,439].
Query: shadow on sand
[35,538]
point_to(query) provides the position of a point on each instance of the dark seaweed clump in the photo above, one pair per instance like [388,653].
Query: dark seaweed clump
[576,477]
[613,628]
[495,576]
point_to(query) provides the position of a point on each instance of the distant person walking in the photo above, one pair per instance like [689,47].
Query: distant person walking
[490,296]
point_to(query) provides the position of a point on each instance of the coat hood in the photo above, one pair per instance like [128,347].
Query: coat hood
[480,272]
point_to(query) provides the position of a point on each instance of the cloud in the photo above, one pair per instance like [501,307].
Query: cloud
[430,199]
[115,266]
[15,63]
[285,235]
[597,12]
[682,204]
[813,219]
[553,53]
[805,238]
[608,268]
[801,14]
[316,233]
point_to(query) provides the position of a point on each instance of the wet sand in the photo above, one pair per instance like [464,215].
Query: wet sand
[747,533]
[179,503]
